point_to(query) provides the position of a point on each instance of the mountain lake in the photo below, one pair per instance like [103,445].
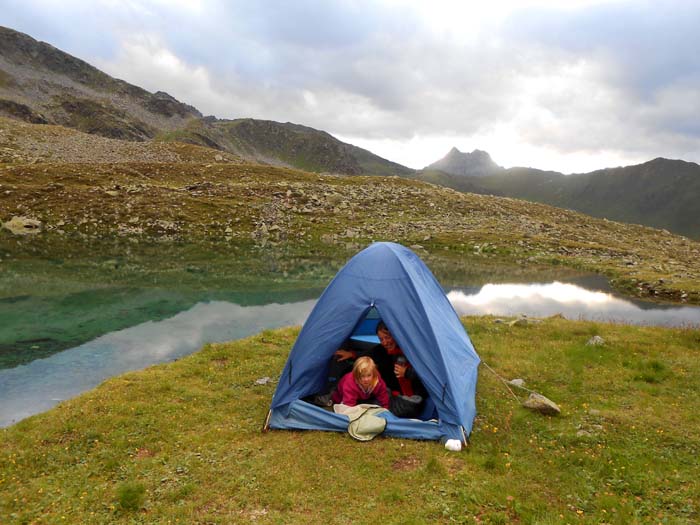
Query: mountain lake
[76,313]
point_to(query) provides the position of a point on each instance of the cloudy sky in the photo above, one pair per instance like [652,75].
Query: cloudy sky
[571,85]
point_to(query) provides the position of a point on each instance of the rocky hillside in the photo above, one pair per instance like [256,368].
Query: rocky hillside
[200,196]
[22,143]
[41,84]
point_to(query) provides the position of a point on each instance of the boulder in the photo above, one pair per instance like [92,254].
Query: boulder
[23,225]
[541,404]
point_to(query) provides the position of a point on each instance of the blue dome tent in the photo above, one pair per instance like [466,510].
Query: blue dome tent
[392,282]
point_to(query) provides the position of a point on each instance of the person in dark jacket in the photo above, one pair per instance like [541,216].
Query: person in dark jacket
[405,387]
[407,393]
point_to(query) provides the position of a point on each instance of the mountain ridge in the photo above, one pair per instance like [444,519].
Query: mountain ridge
[662,193]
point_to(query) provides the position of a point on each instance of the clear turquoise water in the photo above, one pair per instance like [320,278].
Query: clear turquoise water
[67,327]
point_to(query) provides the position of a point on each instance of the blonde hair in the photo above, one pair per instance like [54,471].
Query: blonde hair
[362,366]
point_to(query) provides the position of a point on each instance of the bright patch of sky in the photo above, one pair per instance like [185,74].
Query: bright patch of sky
[569,86]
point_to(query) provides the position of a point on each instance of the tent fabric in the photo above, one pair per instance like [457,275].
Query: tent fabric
[394,281]
[305,416]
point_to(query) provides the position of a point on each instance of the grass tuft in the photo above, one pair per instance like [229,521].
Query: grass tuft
[131,496]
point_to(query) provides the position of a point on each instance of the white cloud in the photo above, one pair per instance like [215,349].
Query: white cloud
[144,60]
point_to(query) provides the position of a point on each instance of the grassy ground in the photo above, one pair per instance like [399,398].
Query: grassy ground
[181,443]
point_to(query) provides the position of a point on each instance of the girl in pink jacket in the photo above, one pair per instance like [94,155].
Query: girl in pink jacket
[362,385]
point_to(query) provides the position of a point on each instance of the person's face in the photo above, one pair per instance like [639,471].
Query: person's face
[386,340]
[366,380]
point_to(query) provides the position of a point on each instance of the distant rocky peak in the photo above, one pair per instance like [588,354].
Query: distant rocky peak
[478,163]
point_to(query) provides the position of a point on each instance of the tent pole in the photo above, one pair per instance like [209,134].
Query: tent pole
[266,424]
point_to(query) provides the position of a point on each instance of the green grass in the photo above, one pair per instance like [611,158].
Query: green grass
[181,443]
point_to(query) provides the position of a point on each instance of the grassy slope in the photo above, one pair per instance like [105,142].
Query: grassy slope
[182,441]
[286,144]
[661,193]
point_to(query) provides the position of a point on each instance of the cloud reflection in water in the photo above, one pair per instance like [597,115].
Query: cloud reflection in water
[571,301]
[39,385]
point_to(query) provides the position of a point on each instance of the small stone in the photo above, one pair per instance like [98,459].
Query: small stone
[596,340]
[541,404]
[517,382]
[263,380]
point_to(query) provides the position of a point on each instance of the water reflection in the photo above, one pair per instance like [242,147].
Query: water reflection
[571,301]
[39,385]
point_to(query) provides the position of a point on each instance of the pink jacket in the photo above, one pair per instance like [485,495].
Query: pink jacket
[350,393]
